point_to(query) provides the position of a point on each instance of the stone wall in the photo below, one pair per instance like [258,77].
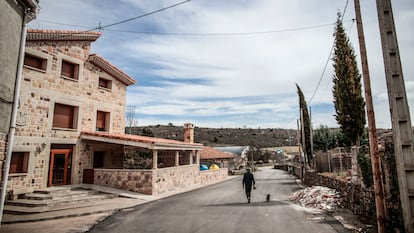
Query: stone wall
[360,200]
[155,182]
[139,181]
[175,178]
[211,176]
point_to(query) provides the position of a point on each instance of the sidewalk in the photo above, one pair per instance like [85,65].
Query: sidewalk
[82,218]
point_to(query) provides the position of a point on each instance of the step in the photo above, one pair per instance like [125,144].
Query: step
[60,201]
[76,210]
[58,195]
[22,210]
[55,190]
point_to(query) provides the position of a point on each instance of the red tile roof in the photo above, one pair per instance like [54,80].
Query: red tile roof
[111,69]
[211,153]
[138,138]
[61,35]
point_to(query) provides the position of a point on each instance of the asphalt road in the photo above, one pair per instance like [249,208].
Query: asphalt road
[223,208]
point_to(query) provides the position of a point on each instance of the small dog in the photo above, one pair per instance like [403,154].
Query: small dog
[267,197]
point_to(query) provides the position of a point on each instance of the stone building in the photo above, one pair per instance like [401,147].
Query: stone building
[70,125]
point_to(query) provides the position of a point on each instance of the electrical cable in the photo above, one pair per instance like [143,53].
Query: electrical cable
[325,66]
[202,34]
[327,60]
[225,34]
[140,16]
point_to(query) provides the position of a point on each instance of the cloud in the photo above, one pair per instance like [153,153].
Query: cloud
[234,80]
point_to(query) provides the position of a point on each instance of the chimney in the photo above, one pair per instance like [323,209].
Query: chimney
[188,133]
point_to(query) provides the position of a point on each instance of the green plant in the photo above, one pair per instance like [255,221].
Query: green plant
[364,163]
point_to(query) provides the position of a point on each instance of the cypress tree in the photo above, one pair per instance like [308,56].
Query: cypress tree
[306,126]
[347,89]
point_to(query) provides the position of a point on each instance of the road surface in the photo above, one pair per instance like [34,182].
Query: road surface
[223,208]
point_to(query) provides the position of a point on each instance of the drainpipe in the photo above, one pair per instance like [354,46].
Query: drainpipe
[28,16]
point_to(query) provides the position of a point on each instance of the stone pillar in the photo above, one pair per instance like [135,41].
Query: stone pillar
[154,159]
[177,158]
[191,157]
[198,157]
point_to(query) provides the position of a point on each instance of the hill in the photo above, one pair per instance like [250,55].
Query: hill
[222,136]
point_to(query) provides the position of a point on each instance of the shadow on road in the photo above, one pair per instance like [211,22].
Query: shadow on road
[237,204]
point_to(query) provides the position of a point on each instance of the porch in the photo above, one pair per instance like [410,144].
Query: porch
[141,164]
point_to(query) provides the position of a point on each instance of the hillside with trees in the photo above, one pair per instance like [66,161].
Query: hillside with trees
[222,136]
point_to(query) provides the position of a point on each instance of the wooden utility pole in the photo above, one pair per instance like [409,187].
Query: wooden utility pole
[402,131]
[373,138]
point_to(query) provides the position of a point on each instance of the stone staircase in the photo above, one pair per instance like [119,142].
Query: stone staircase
[55,199]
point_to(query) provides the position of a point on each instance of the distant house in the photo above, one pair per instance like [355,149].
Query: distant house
[70,125]
[210,156]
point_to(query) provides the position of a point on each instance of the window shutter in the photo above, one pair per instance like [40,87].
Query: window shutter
[68,69]
[34,62]
[100,121]
[63,116]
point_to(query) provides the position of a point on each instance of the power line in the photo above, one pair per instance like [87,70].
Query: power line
[225,34]
[325,66]
[140,16]
[327,60]
[203,34]
[120,22]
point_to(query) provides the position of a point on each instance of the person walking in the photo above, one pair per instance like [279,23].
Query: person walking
[248,183]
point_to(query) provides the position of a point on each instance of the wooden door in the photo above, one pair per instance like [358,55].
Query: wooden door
[59,166]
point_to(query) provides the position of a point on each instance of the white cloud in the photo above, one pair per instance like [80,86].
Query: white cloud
[231,81]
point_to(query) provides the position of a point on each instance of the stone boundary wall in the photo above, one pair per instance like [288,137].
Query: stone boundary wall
[360,200]
[175,178]
[154,182]
[211,176]
[139,181]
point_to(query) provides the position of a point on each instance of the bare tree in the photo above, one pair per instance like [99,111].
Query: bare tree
[130,119]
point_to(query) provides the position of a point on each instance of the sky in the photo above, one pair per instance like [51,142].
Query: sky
[233,63]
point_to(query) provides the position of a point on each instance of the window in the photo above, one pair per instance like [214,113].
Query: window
[105,83]
[102,121]
[35,62]
[19,162]
[69,70]
[65,116]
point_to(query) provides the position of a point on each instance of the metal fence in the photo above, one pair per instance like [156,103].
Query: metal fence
[337,160]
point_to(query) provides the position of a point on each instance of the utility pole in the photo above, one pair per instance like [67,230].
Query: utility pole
[373,138]
[311,136]
[402,131]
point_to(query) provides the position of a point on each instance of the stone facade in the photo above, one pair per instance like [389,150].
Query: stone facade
[42,89]
[128,179]
[159,181]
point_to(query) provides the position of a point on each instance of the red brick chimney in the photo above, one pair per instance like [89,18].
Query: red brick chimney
[188,133]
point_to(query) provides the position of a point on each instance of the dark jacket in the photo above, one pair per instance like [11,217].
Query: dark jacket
[248,179]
